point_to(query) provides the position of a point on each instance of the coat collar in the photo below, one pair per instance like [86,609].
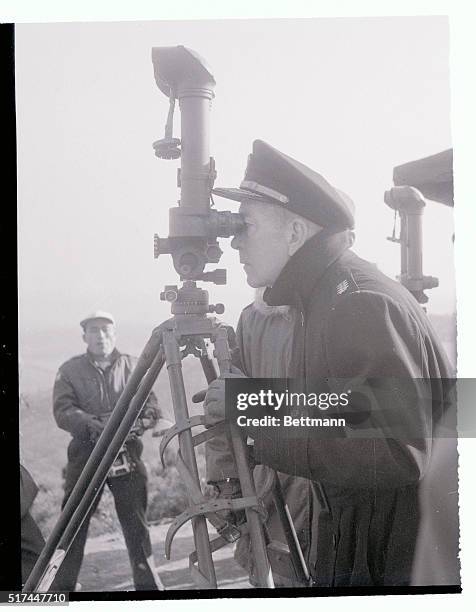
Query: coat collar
[305,268]
[93,359]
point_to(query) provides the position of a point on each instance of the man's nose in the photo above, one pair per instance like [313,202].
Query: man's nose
[236,243]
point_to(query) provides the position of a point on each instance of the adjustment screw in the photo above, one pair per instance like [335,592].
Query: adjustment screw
[218,308]
[214,253]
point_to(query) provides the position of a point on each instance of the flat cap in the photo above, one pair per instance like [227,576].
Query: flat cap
[273,177]
[97,314]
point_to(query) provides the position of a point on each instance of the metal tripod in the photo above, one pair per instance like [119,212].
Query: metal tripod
[189,327]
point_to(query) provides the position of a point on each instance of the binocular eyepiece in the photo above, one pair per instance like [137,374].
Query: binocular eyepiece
[192,242]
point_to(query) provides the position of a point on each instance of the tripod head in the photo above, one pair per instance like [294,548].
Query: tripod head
[193,226]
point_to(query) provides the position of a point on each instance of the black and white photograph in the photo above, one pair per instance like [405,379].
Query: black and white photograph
[237,307]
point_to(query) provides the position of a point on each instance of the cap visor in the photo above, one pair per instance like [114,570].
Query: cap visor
[87,319]
[231,193]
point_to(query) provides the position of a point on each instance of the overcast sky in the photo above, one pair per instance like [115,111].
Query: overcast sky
[351,98]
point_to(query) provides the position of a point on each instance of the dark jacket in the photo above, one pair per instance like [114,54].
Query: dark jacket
[357,323]
[28,491]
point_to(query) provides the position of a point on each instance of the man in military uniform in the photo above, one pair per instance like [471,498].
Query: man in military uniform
[86,390]
[354,325]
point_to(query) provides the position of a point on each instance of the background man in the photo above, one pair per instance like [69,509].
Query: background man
[353,324]
[86,390]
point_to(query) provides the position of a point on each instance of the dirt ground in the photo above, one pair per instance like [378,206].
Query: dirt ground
[106,565]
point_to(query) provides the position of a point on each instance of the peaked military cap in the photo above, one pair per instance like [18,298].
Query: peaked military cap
[273,177]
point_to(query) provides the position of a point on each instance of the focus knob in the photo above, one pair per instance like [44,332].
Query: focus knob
[169,294]
[161,246]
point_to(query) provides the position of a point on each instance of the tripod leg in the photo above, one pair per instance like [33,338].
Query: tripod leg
[199,524]
[208,368]
[95,471]
[258,543]
[295,551]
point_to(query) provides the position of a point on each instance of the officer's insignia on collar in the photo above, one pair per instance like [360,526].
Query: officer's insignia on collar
[342,287]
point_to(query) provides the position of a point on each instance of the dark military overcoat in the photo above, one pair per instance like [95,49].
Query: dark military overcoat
[357,324]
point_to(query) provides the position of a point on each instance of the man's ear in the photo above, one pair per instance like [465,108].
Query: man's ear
[298,233]
[84,338]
